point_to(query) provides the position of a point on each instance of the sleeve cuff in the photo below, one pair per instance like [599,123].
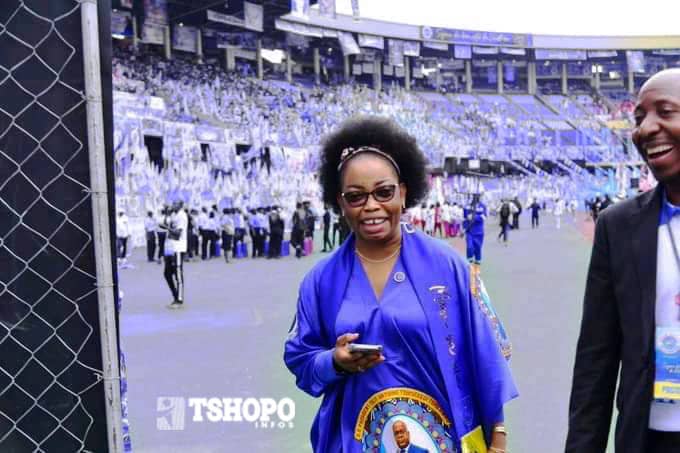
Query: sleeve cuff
[323,367]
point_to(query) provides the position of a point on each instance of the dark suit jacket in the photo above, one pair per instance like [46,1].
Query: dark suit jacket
[617,329]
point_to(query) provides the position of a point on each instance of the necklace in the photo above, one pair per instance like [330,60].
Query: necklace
[378,261]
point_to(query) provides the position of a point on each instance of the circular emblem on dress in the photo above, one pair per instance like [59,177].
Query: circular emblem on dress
[388,414]
[399,277]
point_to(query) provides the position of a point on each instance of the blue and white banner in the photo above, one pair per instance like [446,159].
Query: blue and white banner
[436,45]
[462,52]
[300,29]
[485,50]
[348,44]
[214,16]
[254,16]
[184,38]
[559,54]
[120,23]
[372,41]
[299,8]
[153,33]
[671,52]
[156,11]
[327,8]
[602,54]
[635,60]
[509,72]
[411,48]
[209,134]
[395,52]
[513,51]
[295,40]
[480,38]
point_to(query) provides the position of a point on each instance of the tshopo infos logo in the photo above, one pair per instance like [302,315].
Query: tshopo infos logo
[261,412]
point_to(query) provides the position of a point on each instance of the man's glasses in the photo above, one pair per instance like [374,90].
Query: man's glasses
[358,198]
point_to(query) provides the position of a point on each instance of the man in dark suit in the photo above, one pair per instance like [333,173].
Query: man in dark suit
[632,291]
[403,439]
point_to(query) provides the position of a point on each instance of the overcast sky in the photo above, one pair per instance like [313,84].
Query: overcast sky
[570,17]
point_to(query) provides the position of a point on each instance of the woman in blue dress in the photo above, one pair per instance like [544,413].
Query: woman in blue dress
[440,380]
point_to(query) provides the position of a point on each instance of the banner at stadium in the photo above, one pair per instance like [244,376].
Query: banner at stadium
[436,46]
[602,54]
[485,50]
[480,38]
[184,38]
[399,71]
[300,29]
[295,40]
[374,42]
[357,69]
[559,54]
[327,8]
[153,33]
[214,16]
[367,68]
[411,48]
[156,11]
[254,16]
[395,53]
[513,51]
[668,52]
[120,23]
[388,70]
[206,133]
[348,44]
[635,60]
[299,8]
[462,52]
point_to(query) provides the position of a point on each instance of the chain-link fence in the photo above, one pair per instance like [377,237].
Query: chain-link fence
[52,385]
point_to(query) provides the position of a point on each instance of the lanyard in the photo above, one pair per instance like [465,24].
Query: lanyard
[675,247]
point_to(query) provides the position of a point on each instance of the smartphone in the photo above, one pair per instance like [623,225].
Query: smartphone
[365,348]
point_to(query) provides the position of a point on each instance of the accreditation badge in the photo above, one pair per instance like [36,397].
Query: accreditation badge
[667,379]
[396,417]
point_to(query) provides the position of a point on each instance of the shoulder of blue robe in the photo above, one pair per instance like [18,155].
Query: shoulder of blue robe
[312,335]
[482,374]
[461,268]
[313,330]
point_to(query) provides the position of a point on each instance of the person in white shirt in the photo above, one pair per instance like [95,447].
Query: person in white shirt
[122,236]
[227,227]
[150,226]
[204,232]
[175,248]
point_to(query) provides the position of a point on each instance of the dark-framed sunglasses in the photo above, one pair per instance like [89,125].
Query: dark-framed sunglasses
[358,198]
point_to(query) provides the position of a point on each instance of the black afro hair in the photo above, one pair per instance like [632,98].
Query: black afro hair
[381,133]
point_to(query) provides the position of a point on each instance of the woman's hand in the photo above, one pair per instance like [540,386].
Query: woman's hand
[498,443]
[354,362]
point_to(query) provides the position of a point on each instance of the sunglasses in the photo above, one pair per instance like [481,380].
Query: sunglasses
[358,198]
